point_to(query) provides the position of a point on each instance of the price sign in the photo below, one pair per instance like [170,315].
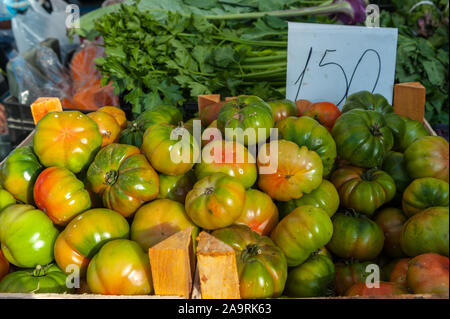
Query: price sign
[330,62]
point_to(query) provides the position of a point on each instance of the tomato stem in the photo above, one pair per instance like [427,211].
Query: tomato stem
[111,177]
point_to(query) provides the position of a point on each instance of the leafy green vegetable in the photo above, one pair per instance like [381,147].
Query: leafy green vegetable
[422,53]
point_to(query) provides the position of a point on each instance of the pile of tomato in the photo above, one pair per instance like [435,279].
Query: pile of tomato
[357,203]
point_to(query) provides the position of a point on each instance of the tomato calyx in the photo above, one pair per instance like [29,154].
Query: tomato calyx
[251,250]
[111,177]
[368,175]
[375,130]
[208,191]
[40,271]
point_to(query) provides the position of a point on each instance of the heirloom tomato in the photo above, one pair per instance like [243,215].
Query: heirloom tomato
[362,138]
[260,213]
[325,196]
[282,109]
[428,157]
[158,220]
[6,198]
[405,131]
[18,173]
[27,236]
[230,158]
[302,232]
[85,234]
[314,278]
[216,201]
[428,274]
[394,164]
[391,221]
[261,264]
[176,187]
[42,279]
[107,125]
[171,150]
[120,268]
[4,266]
[426,232]
[288,171]
[367,101]
[363,190]
[246,112]
[305,131]
[424,193]
[351,273]
[123,177]
[355,236]
[133,135]
[210,134]
[69,139]
[209,113]
[118,114]
[399,272]
[385,289]
[325,113]
[302,106]
[59,194]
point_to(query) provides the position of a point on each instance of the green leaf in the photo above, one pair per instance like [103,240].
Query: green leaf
[435,72]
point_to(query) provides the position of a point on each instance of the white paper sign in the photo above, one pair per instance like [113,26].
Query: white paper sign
[330,62]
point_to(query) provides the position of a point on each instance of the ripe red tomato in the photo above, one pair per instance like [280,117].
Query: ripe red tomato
[4,266]
[385,289]
[428,274]
[399,272]
[325,113]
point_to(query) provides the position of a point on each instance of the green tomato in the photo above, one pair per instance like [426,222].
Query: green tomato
[27,236]
[47,279]
[367,101]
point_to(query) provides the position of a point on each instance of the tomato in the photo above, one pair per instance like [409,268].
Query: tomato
[426,232]
[216,201]
[405,131]
[4,266]
[69,139]
[424,193]
[133,135]
[325,196]
[428,274]
[282,109]
[42,279]
[85,234]
[27,236]
[355,236]
[117,113]
[394,164]
[302,232]
[230,158]
[260,213]
[18,173]
[262,266]
[211,133]
[391,221]
[325,113]
[108,127]
[305,131]
[123,177]
[428,157]
[246,112]
[157,221]
[351,273]
[176,187]
[385,289]
[367,101]
[6,199]
[399,272]
[313,278]
[363,190]
[209,113]
[167,155]
[120,268]
[362,138]
[59,194]
[290,173]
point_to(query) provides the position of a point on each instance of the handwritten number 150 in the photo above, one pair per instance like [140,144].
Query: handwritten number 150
[348,82]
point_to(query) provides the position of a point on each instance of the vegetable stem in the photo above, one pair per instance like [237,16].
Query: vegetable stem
[339,7]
